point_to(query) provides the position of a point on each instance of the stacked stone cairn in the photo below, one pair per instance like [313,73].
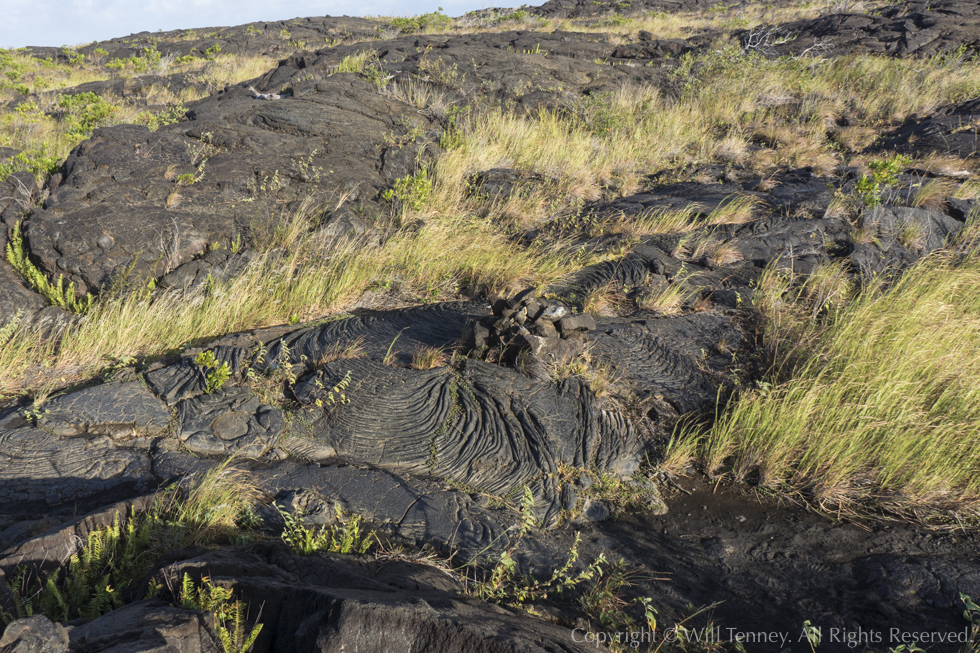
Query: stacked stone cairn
[546,328]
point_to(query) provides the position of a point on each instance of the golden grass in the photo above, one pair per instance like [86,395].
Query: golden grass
[882,409]
[595,148]
[313,280]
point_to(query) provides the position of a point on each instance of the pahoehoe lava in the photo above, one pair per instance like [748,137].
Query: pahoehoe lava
[464,424]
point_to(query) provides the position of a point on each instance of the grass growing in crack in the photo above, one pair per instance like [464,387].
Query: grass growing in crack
[102,572]
[877,408]
[427,358]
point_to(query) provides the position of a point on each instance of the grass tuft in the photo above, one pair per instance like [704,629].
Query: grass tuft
[882,409]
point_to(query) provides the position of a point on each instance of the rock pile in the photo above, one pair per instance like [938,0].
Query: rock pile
[548,328]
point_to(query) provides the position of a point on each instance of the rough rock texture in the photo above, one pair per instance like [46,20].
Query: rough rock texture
[119,410]
[952,129]
[40,469]
[151,625]
[229,422]
[909,29]
[345,602]
[251,160]
[483,426]
[334,416]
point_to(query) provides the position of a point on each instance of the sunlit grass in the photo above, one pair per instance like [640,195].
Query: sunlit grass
[881,408]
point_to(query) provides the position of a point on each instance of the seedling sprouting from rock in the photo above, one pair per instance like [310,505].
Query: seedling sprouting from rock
[215,373]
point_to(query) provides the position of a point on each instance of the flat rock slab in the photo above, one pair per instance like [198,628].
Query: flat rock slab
[919,28]
[953,129]
[119,410]
[145,627]
[662,357]
[39,469]
[118,209]
[50,548]
[348,603]
[376,334]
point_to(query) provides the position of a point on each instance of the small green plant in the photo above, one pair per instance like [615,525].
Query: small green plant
[347,537]
[35,161]
[211,53]
[883,174]
[971,613]
[335,395]
[170,116]
[91,584]
[411,191]
[432,21]
[83,112]
[229,615]
[215,374]
[56,293]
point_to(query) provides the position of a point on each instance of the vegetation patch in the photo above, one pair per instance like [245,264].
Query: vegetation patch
[873,407]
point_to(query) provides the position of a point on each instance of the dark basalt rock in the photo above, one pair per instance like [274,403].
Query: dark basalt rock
[145,626]
[912,29]
[41,469]
[35,634]
[185,378]
[409,509]
[662,357]
[230,422]
[952,129]
[117,208]
[119,410]
[338,602]
[376,334]
[546,328]
[485,426]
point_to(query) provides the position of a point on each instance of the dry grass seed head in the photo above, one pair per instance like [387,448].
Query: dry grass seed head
[427,358]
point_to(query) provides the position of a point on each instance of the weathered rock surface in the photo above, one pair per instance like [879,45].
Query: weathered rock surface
[335,415]
[35,634]
[483,426]
[119,410]
[952,129]
[40,469]
[912,29]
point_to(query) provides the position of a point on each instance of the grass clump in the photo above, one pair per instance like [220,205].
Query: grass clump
[878,408]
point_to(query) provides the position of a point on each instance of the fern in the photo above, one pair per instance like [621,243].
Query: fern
[347,537]
[55,293]
[228,615]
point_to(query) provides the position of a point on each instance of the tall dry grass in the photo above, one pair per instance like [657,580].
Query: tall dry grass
[879,409]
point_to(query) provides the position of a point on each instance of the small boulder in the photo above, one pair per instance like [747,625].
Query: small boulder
[572,323]
[36,634]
